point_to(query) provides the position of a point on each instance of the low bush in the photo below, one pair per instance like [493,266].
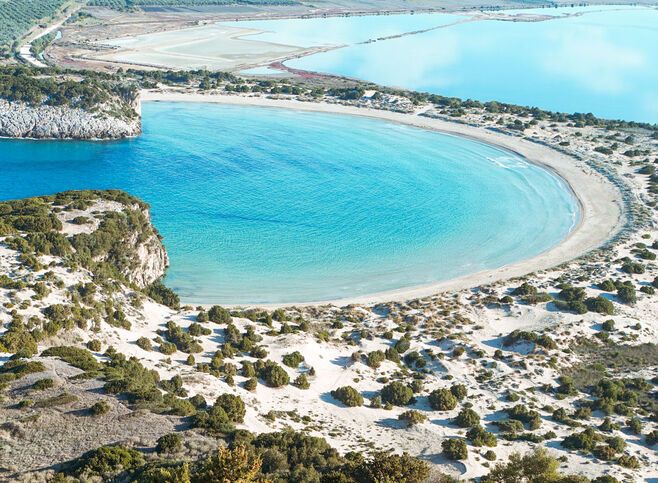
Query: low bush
[169,443]
[454,449]
[467,418]
[349,396]
[397,393]
[412,417]
[80,358]
[442,400]
[294,359]
[233,406]
[99,408]
[273,375]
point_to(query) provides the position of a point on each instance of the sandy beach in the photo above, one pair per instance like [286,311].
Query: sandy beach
[601,208]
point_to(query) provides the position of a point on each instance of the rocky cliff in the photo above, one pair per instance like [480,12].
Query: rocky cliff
[20,120]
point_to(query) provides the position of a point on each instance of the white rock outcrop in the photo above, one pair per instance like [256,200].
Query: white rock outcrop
[19,120]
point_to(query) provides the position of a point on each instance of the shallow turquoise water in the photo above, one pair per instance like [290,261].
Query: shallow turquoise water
[602,62]
[270,205]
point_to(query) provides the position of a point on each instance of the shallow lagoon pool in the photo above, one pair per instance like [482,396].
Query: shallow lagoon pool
[262,205]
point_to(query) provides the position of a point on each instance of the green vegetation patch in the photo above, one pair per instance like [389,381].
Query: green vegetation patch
[80,358]
[17,17]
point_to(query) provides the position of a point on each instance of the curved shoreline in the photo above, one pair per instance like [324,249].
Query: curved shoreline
[600,202]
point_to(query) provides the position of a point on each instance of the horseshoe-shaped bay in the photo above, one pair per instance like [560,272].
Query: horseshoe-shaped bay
[261,205]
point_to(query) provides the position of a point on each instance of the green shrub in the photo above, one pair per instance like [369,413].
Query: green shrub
[167,348]
[585,441]
[529,417]
[478,436]
[607,286]
[219,315]
[537,466]
[301,382]
[459,391]
[43,384]
[233,406]
[520,336]
[169,443]
[107,461]
[383,467]
[163,295]
[489,455]
[94,345]
[402,345]
[17,368]
[524,289]
[412,417]
[80,358]
[99,408]
[294,359]
[626,294]
[251,384]
[630,462]
[442,400]
[145,344]
[349,396]
[214,419]
[608,325]
[59,400]
[467,418]
[397,393]
[273,375]
[183,341]
[600,305]
[374,359]
[652,438]
[454,449]
[632,267]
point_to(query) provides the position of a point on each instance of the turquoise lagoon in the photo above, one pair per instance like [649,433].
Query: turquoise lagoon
[601,61]
[262,205]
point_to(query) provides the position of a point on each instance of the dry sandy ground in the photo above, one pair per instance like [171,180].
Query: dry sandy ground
[600,201]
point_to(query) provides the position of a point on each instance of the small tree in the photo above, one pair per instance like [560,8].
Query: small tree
[442,400]
[169,443]
[219,315]
[274,375]
[412,417]
[301,382]
[237,464]
[467,418]
[349,396]
[233,406]
[397,394]
[455,449]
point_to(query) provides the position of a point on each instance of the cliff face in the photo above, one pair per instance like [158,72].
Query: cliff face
[19,120]
[150,257]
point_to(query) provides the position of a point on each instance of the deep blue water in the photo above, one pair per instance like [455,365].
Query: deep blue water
[270,205]
[603,61]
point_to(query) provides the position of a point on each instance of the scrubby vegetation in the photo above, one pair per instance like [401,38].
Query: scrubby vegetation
[49,87]
[282,456]
[17,17]
[349,396]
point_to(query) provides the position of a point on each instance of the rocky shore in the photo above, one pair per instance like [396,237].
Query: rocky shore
[19,120]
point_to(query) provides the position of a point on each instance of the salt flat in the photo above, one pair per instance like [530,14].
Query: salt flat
[216,47]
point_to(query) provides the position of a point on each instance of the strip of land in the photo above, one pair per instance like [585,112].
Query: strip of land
[601,210]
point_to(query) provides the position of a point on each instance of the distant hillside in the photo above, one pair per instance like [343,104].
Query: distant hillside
[17,17]
[126,4]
